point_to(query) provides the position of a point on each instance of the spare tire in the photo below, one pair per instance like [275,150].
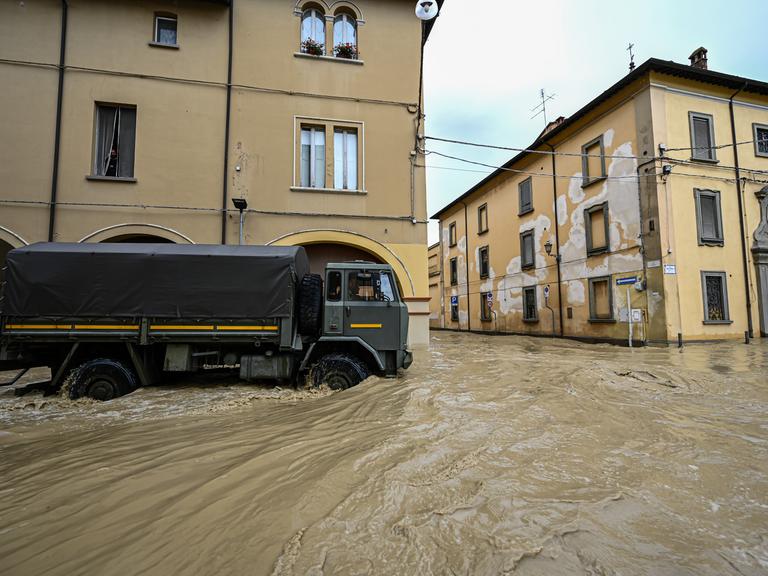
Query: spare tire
[310,304]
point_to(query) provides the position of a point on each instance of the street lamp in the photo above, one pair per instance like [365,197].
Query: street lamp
[426,9]
[548,249]
[241,204]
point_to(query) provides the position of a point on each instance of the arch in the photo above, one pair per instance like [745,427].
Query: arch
[347,7]
[355,240]
[137,229]
[301,5]
[10,237]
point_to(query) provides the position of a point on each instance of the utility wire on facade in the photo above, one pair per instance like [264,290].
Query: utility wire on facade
[577,154]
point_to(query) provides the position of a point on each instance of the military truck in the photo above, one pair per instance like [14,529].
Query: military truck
[107,318]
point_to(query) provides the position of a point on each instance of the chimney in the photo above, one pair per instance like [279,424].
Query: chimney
[699,58]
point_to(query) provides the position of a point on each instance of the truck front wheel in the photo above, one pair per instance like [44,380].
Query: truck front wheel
[339,372]
[101,379]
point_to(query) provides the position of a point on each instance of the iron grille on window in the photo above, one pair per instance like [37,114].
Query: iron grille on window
[715,298]
[529,305]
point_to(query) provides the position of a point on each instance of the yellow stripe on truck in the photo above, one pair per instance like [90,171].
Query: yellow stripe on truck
[178,327]
[366,325]
[248,328]
[38,326]
[106,327]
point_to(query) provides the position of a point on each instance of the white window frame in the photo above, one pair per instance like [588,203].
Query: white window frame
[315,14]
[313,153]
[156,39]
[345,156]
[331,124]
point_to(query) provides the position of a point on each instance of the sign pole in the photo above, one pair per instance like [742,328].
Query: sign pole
[629,315]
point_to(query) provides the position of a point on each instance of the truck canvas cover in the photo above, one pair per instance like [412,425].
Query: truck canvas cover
[157,280]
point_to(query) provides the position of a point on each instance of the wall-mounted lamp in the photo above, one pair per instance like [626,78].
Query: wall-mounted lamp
[241,204]
[548,250]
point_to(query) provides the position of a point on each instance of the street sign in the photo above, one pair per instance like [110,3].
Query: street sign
[454,300]
[489,298]
[622,281]
[546,292]
[670,269]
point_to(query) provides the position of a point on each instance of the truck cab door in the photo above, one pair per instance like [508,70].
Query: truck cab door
[372,308]
[333,318]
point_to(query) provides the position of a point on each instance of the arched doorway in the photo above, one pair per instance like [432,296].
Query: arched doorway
[137,232]
[137,239]
[4,249]
[344,245]
[323,252]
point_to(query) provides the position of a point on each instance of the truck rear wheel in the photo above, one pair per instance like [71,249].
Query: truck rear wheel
[339,372]
[310,304]
[101,379]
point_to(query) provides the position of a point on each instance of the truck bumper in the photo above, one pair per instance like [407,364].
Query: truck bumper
[407,359]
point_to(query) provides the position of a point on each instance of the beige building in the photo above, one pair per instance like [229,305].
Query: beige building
[130,120]
[640,214]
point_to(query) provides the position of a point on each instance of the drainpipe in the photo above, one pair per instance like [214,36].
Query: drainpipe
[57,134]
[740,192]
[646,325]
[466,266]
[558,258]
[227,120]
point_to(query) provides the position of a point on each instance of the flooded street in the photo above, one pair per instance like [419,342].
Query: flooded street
[493,455]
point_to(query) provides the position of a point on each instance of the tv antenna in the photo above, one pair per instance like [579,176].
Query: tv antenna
[542,108]
[631,57]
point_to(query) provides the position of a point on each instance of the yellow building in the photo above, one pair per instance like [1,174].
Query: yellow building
[637,215]
[142,121]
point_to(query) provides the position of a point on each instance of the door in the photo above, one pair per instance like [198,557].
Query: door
[372,308]
[333,319]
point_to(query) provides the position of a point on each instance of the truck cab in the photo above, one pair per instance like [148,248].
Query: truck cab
[363,304]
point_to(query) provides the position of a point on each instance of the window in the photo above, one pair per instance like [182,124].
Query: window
[486,305]
[454,311]
[593,161]
[709,217]
[345,159]
[166,30]
[454,272]
[484,263]
[334,286]
[115,141]
[313,32]
[482,219]
[530,310]
[345,36]
[525,191]
[312,157]
[600,299]
[527,253]
[596,226]
[761,140]
[452,234]
[387,287]
[702,137]
[715,293]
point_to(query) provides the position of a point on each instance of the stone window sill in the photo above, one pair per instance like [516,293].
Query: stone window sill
[710,242]
[597,251]
[591,181]
[481,232]
[161,45]
[525,211]
[111,179]
[705,160]
[531,320]
[328,191]
[715,322]
[603,320]
[329,58]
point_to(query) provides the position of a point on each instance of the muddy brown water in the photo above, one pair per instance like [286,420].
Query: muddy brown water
[492,455]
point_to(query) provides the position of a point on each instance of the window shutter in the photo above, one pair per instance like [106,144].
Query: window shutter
[701,138]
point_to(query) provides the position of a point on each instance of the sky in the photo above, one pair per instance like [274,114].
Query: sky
[487,60]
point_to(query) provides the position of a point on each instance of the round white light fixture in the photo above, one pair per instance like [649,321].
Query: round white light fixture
[426,9]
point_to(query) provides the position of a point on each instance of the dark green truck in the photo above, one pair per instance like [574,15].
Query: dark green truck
[107,318]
